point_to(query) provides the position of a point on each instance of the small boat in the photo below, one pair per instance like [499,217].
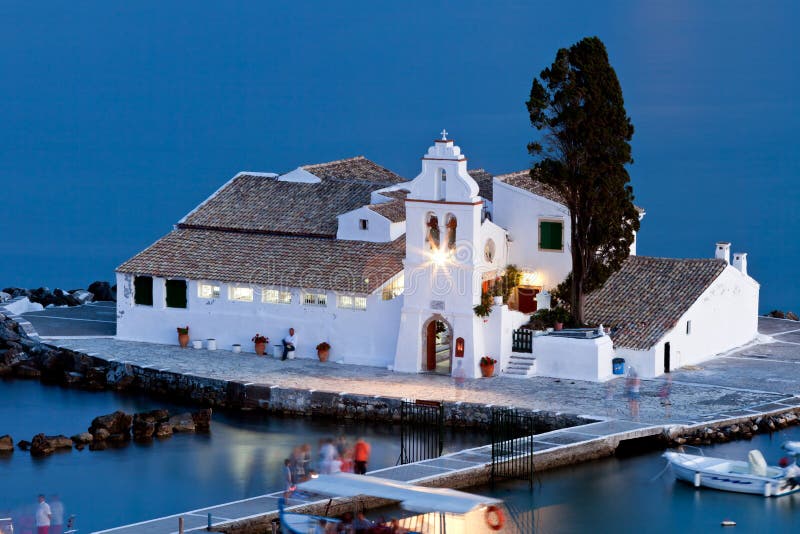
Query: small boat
[753,476]
[793,447]
[435,510]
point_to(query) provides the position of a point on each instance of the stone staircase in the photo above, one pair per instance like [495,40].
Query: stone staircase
[521,365]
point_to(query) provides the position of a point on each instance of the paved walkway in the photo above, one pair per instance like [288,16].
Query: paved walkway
[95,319]
[745,379]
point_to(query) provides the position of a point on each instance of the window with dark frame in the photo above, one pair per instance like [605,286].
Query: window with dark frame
[551,235]
[143,290]
[176,293]
[363,224]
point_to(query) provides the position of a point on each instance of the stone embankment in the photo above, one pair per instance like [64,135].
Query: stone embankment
[115,428]
[24,357]
[728,430]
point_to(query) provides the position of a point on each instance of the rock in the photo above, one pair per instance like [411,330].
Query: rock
[59,442]
[26,371]
[777,314]
[115,423]
[24,445]
[101,291]
[4,296]
[95,379]
[143,430]
[98,446]
[6,444]
[735,429]
[72,378]
[792,316]
[40,446]
[82,296]
[82,438]
[8,331]
[202,420]
[101,434]
[163,430]
[182,423]
[118,438]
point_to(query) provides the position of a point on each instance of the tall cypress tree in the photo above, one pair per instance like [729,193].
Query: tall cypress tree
[578,106]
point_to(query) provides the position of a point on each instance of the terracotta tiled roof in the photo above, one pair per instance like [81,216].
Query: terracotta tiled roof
[262,204]
[276,260]
[484,181]
[647,296]
[395,209]
[522,179]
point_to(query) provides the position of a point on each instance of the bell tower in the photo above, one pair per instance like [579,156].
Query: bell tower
[442,283]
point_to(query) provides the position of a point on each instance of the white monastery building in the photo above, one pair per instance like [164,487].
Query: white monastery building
[388,271]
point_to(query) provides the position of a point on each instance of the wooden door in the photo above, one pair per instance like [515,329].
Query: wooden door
[526,299]
[430,337]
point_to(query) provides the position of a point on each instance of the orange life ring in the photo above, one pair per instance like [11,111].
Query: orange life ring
[495,518]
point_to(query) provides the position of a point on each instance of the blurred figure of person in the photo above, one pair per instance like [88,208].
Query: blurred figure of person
[287,479]
[43,515]
[342,445]
[327,457]
[664,394]
[459,377]
[361,525]
[57,520]
[361,457]
[632,387]
[289,343]
[347,461]
[298,469]
[306,449]
[609,398]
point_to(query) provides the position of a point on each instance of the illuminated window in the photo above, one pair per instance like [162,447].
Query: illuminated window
[394,287]
[433,231]
[240,293]
[315,299]
[352,303]
[208,291]
[451,224]
[274,296]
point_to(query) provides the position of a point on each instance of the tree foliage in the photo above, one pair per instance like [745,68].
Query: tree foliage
[579,108]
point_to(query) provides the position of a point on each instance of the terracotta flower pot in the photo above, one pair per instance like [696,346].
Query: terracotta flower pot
[323,355]
[559,326]
[261,348]
[487,370]
[183,339]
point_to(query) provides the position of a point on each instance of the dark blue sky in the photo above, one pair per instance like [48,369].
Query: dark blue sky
[118,118]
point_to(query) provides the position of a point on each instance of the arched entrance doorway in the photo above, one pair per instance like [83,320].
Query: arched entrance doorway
[438,336]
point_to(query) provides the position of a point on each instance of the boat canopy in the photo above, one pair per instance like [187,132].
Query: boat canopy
[413,498]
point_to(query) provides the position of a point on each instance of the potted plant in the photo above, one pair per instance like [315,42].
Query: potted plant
[484,309]
[487,366]
[560,316]
[497,292]
[183,336]
[260,344]
[323,351]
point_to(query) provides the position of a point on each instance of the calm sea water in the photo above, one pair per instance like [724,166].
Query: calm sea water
[240,458]
[242,455]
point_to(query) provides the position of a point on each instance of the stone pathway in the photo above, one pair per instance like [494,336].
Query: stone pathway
[95,319]
[749,377]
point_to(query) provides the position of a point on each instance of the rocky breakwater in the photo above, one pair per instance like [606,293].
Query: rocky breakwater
[115,429]
[96,292]
[742,428]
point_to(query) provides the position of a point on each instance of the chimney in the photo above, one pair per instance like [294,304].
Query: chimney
[723,251]
[740,261]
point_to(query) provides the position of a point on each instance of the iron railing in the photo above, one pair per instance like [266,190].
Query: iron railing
[522,340]
[421,431]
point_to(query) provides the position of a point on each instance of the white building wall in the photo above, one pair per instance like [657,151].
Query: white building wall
[723,318]
[361,337]
[379,228]
[576,359]
[519,212]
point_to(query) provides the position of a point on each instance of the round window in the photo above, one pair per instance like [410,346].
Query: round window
[488,251]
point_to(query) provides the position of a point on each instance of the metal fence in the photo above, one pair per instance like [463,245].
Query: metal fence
[421,431]
[512,445]
[522,340]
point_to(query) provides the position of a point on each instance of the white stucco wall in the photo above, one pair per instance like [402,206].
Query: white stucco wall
[577,359]
[499,330]
[361,337]
[379,228]
[723,318]
[519,212]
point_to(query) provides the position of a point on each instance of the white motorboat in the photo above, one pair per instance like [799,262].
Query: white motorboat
[433,510]
[793,447]
[753,476]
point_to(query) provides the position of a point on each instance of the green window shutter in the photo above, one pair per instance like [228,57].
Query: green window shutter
[143,290]
[176,293]
[550,234]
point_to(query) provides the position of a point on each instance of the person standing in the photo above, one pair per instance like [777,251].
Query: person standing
[361,457]
[43,515]
[288,479]
[459,377]
[57,515]
[289,343]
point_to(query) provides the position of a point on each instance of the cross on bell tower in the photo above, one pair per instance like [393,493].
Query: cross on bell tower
[444,135]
